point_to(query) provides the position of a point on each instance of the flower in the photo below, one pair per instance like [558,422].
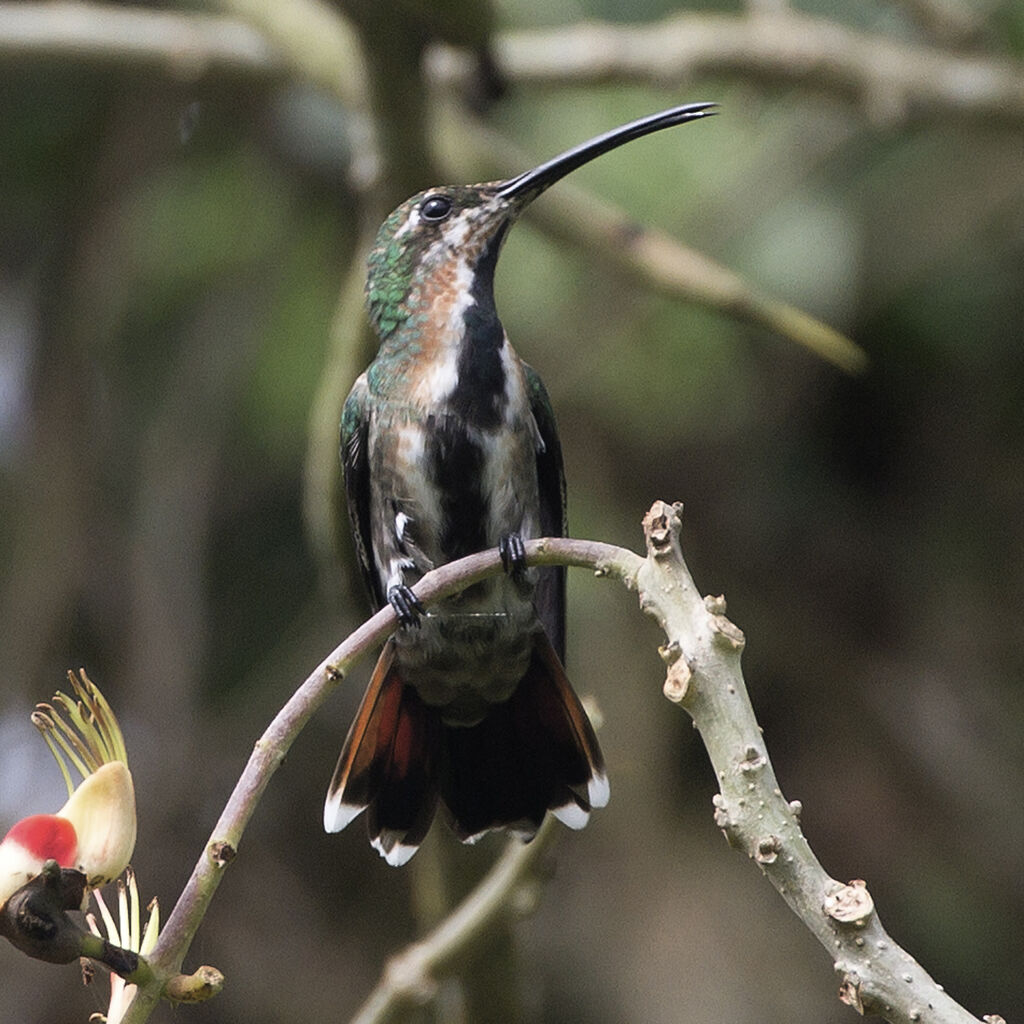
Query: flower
[94,832]
[127,933]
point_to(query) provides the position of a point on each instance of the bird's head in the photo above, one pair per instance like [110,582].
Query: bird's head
[450,236]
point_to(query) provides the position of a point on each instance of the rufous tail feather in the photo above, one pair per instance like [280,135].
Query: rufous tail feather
[534,753]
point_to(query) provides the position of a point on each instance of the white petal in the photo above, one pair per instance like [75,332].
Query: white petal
[102,809]
[17,867]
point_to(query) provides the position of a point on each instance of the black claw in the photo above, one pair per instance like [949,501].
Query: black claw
[513,554]
[407,606]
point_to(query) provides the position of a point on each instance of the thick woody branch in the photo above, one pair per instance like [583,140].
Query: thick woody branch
[702,654]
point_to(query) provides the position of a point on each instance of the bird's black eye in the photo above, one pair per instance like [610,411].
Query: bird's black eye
[435,208]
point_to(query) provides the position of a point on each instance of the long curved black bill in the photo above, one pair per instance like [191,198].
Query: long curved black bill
[530,184]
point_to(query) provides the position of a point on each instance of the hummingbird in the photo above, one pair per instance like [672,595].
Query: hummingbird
[449,447]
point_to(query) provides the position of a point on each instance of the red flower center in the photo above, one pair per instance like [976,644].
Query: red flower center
[46,836]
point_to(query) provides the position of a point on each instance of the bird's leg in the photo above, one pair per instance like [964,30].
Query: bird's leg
[407,605]
[513,555]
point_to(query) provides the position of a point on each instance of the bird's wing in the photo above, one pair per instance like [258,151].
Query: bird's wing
[355,429]
[550,596]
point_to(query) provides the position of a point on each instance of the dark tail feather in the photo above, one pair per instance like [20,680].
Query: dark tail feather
[534,753]
[388,765]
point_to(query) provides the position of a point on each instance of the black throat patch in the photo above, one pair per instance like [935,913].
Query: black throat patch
[479,395]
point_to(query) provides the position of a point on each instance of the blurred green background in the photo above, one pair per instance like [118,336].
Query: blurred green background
[171,254]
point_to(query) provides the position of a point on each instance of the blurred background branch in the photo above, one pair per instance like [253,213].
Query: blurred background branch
[892,80]
[183,44]
[651,258]
[411,976]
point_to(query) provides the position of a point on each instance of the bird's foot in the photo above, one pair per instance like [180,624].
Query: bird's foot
[407,606]
[513,555]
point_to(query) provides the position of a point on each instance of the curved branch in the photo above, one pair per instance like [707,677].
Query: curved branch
[270,750]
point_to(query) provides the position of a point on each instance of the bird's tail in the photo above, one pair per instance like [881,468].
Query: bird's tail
[535,752]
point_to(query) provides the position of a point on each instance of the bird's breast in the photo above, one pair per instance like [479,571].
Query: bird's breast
[444,489]
[453,446]
[451,486]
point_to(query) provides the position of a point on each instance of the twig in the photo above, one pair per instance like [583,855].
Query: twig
[270,750]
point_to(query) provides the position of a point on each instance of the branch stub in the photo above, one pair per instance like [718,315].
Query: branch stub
[768,848]
[661,528]
[222,853]
[850,904]
[204,984]
[849,993]
[677,680]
